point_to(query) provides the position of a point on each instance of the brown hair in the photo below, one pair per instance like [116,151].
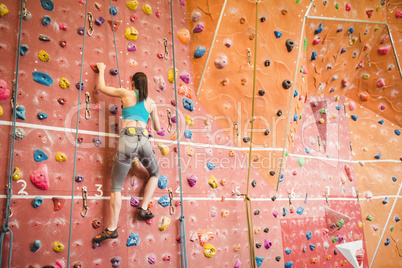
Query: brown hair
[141,83]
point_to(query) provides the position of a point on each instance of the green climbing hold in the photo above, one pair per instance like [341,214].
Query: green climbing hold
[335,239]
[323,111]
[297,1]
[337,6]
[369,218]
[340,223]
[301,161]
[392,228]
[305,43]
[286,152]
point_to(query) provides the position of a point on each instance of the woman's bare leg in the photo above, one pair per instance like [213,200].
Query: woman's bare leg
[150,188]
[115,206]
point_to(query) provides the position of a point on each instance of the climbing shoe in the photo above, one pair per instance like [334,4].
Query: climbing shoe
[105,235]
[145,214]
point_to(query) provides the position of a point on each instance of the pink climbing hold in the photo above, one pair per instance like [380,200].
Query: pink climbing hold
[40,178]
[348,7]
[352,106]
[360,256]
[221,62]
[381,82]
[4,92]
[160,83]
[63,26]
[317,40]
[398,14]
[382,107]
[384,50]
[237,264]
[275,213]
[345,83]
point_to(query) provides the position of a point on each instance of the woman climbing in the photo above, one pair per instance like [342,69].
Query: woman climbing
[133,142]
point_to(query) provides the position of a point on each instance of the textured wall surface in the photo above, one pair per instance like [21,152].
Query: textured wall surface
[335,156]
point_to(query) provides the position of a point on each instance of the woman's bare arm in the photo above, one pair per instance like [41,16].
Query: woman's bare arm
[110,91]
[154,117]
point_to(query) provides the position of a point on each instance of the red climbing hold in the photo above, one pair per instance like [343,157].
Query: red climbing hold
[348,172]
[398,14]
[369,13]
[40,177]
[94,68]
[381,82]
[348,7]
[116,24]
[58,203]
[364,96]
[384,50]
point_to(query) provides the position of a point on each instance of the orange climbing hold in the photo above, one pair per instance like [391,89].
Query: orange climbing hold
[58,203]
[313,260]
[236,248]
[185,91]
[225,213]
[364,96]
[205,235]
[184,36]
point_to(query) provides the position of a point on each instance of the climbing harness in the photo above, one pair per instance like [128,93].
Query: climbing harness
[84,211]
[183,248]
[170,124]
[76,136]
[166,48]
[171,208]
[91,24]
[87,101]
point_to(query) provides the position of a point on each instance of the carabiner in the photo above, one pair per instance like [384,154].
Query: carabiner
[171,209]
[91,25]
[84,211]
[166,48]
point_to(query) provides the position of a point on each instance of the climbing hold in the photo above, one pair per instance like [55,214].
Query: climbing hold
[192,179]
[42,78]
[261,92]
[277,34]
[348,6]
[162,182]
[290,45]
[35,245]
[79,178]
[97,141]
[195,16]
[272,173]
[47,4]
[114,109]
[267,63]
[43,37]
[81,30]
[385,201]
[221,62]
[352,105]
[198,28]
[40,155]
[213,182]
[259,260]
[184,90]
[237,263]
[319,29]
[43,56]
[38,200]
[279,113]
[381,82]
[189,120]
[46,20]
[378,156]
[288,251]
[369,217]
[381,122]
[366,76]
[60,157]
[99,21]
[184,36]
[314,55]
[163,148]
[4,92]
[171,75]
[199,52]
[23,49]
[164,201]
[132,5]
[301,161]
[16,174]
[133,240]
[326,245]
[19,134]
[131,33]
[210,166]
[188,133]
[165,223]
[300,210]
[188,104]
[57,246]
[134,201]
[345,82]
[354,117]
[317,40]
[267,243]
[384,49]
[387,242]
[40,178]
[185,77]
[147,9]
[312,247]
[397,219]
[113,10]
[3,10]
[58,203]
[286,84]
[209,251]
[20,112]
[225,213]
[166,258]
[287,265]
[64,83]
[189,150]
[392,228]
[246,139]
[398,14]
[256,212]
[114,71]
[309,235]
[115,262]
[258,245]
[397,132]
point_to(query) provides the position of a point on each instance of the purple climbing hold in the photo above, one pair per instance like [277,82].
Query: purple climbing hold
[96,245]
[275,213]
[131,47]
[192,179]
[198,28]
[97,141]
[99,21]
[267,243]
[79,178]
[114,71]
[331,90]
[343,50]
[221,62]
[335,252]
[80,85]
[340,29]
[114,109]
[134,201]
[115,262]
[151,259]
[185,77]
[227,42]
[237,264]
[81,30]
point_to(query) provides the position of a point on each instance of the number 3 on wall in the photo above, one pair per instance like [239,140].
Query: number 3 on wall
[99,190]
[24,185]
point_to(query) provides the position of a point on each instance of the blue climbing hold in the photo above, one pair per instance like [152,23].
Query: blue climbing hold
[20,112]
[300,210]
[47,4]
[381,122]
[309,235]
[162,182]
[164,201]
[24,49]
[338,107]
[378,156]
[394,179]
[40,155]
[354,117]
[387,242]
[288,250]
[35,246]
[281,178]
[188,134]
[351,30]
[188,104]
[295,117]
[397,132]
[397,219]
[277,34]
[285,211]
[319,28]
[46,20]
[210,166]
[41,116]
[306,150]
[295,94]
[133,240]
[312,247]
[42,78]
[38,200]
[113,10]
[314,55]
[199,52]
[259,260]
[288,264]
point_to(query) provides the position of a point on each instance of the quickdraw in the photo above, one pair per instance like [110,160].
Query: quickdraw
[249,58]
[326,198]
[171,208]
[84,211]
[237,128]
[91,24]
[166,48]
[169,116]
[12,99]
[87,101]
[368,58]
[290,202]
[350,37]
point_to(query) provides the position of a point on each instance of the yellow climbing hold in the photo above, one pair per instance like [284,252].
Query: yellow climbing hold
[376,28]
[322,121]
[147,9]
[354,40]
[60,157]
[209,251]
[360,224]
[163,148]
[43,56]
[131,33]
[213,182]
[334,116]
[64,83]
[365,149]
[3,10]
[57,246]
[1,111]
[132,5]
[189,120]
[336,98]
[16,174]
[171,75]
[165,223]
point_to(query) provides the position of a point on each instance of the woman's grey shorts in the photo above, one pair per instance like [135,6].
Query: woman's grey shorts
[133,142]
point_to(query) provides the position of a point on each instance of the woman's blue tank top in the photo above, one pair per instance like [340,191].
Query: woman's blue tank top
[136,112]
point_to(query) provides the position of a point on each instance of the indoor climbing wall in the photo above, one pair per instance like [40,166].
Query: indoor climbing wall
[337,127]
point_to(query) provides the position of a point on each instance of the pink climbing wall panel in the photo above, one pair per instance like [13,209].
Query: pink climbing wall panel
[342,141]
